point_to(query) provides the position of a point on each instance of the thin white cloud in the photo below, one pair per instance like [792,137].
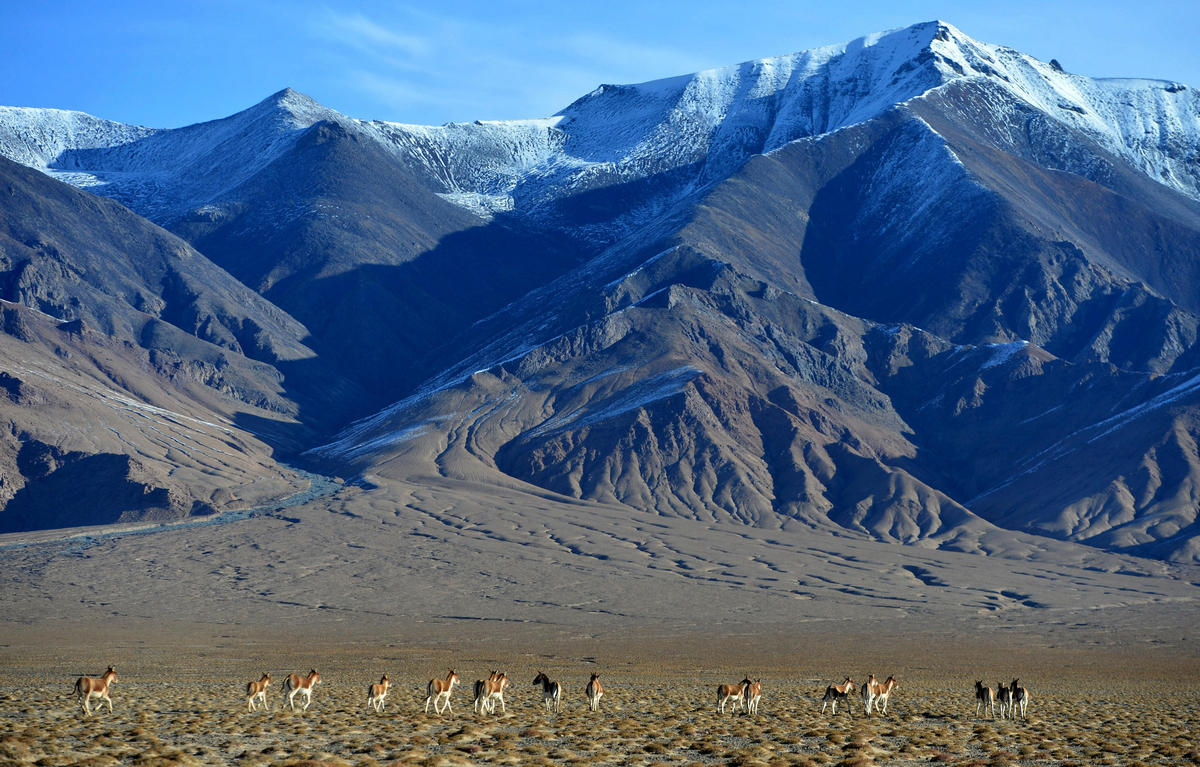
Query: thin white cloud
[402,94]
[368,36]
[420,64]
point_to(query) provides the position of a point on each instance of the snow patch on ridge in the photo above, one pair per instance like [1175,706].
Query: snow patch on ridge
[1002,353]
[38,137]
[643,393]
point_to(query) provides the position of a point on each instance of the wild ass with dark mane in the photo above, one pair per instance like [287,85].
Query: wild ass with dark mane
[836,692]
[985,698]
[1020,698]
[551,692]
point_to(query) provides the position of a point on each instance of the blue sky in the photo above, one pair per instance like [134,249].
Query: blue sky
[175,62]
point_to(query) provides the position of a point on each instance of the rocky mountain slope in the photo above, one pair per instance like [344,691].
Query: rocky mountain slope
[135,372]
[915,288]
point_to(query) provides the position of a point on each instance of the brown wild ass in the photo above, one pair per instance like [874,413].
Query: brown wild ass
[836,692]
[300,685]
[257,691]
[1020,698]
[1005,699]
[594,692]
[551,692]
[480,700]
[732,693]
[985,698]
[489,691]
[439,692]
[376,693]
[495,692]
[753,696]
[866,691]
[877,694]
[87,687]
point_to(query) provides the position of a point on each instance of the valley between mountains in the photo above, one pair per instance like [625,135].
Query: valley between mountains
[902,329]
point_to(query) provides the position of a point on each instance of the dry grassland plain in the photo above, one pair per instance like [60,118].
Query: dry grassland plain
[180,700]
[410,581]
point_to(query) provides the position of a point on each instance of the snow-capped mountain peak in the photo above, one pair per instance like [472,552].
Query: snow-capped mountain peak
[714,120]
[691,129]
[161,173]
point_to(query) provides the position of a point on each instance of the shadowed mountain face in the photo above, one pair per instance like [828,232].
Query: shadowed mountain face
[917,289]
[128,360]
[379,268]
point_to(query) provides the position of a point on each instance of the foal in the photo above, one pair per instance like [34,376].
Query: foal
[551,692]
[87,687]
[377,692]
[257,691]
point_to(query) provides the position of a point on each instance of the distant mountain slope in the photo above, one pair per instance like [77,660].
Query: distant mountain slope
[916,288]
[966,211]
